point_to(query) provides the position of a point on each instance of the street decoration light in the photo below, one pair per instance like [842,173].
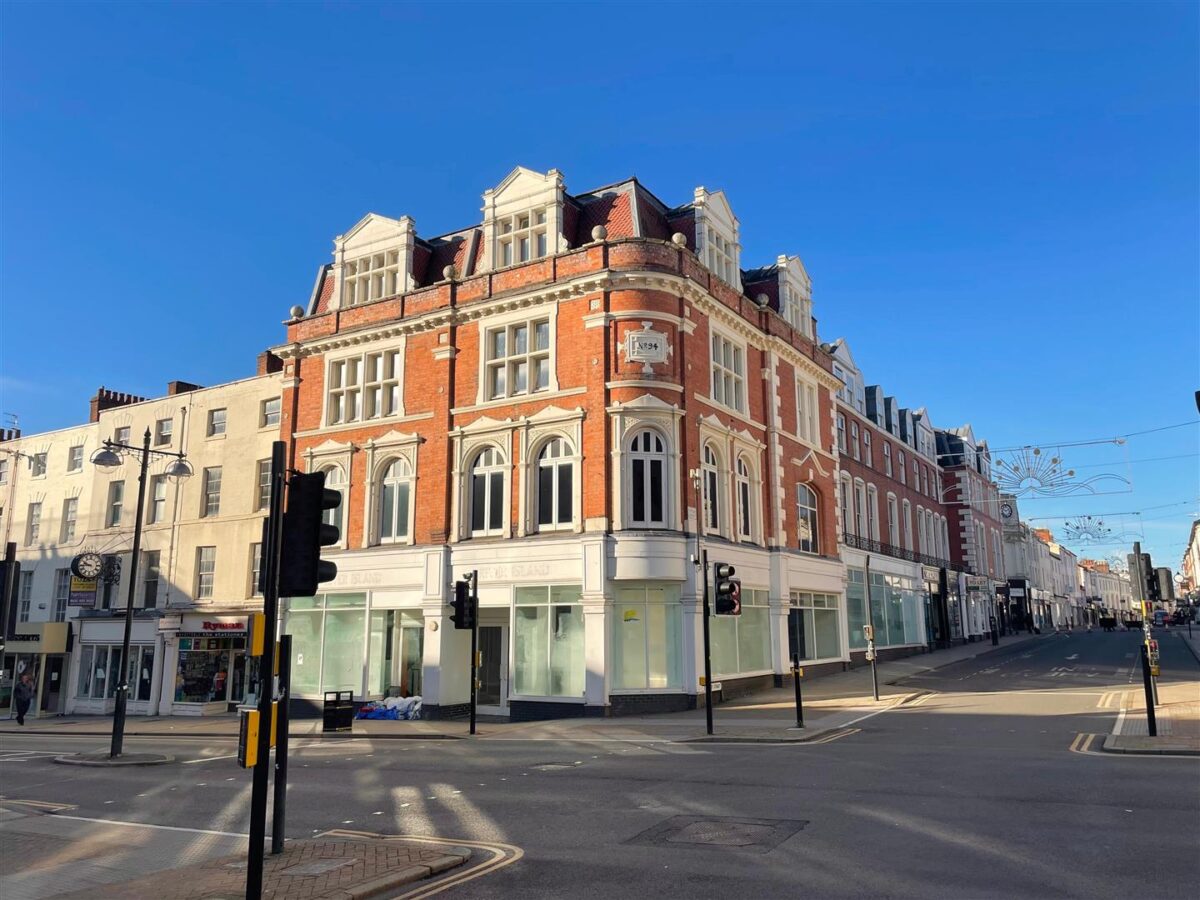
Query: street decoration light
[109,457]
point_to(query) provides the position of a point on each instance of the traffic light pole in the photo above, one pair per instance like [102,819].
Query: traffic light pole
[474,644]
[707,654]
[262,767]
[279,801]
[871,643]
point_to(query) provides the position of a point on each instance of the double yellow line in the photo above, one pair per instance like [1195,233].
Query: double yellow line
[40,804]
[834,736]
[501,855]
[1083,743]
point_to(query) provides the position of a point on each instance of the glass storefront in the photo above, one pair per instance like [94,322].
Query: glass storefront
[329,642]
[896,607]
[548,642]
[742,644]
[646,638]
[211,669]
[813,626]
[100,669]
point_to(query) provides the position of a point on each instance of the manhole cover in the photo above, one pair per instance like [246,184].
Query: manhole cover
[729,832]
[317,867]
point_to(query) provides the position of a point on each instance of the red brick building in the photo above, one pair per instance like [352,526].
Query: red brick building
[572,397]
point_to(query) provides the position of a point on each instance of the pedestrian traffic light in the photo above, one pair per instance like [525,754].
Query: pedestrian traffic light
[728,590]
[463,616]
[301,569]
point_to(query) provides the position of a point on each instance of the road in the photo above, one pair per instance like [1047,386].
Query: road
[971,791]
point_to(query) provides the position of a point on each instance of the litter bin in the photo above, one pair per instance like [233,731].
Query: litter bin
[338,713]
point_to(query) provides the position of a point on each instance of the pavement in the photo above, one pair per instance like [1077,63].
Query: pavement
[831,703]
[1177,714]
[980,786]
[72,858]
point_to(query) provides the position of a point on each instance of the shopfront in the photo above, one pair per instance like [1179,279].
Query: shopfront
[895,608]
[212,673]
[98,663]
[40,651]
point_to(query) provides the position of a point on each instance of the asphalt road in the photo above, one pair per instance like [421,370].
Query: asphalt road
[972,791]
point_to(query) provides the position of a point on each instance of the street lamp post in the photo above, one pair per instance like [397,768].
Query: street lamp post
[109,458]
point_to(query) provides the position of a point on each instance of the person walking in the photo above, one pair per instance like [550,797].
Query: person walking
[23,697]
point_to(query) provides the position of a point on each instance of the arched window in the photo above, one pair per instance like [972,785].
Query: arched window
[487,493]
[809,533]
[335,480]
[712,489]
[745,500]
[647,480]
[555,485]
[395,498]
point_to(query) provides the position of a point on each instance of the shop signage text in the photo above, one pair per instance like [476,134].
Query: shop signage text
[222,626]
[82,592]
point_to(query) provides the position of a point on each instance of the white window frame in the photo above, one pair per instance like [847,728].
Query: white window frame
[62,591]
[922,532]
[121,434]
[806,411]
[723,348]
[114,505]
[900,461]
[337,517]
[164,431]
[712,483]
[497,466]
[70,518]
[217,422]
[744,490]
[906,524]
[33,522]
[568,458]
[404,476]
[262,484]
[255,569]
[854,450]
[151,564]
[3,471]
[893,514]
[805,512]
[386,389]
[25,598]
[372,276]
[511,361]
[868,454]
[721,256]
[522,237]
[206,572]
[37,465]
[887,458]
[841,433]
[647,458]
[846,502]
[265,415]
[861,527]
[75,458]
[873,512]
[210,500]
[155,513]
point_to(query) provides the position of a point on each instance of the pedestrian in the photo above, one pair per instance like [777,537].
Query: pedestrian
[23,697]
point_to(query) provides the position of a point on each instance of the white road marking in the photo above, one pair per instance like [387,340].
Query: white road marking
[209,759]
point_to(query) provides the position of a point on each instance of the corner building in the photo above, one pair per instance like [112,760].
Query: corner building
[572,398]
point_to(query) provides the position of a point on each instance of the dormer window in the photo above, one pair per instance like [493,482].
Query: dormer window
[372,277]
[721,257]
[796,310]
[521,238]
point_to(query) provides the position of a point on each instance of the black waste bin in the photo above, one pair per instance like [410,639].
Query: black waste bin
[338,713]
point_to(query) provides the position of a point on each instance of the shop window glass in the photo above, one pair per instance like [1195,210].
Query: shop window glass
[813,626]
[305,628]
[742,643]
[548,642]
[378,676]
[342,659]
[646,639]
[83,688]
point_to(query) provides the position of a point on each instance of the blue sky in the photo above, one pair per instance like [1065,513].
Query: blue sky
[998,204]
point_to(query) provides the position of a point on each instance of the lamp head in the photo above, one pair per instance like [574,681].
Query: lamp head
[106,458]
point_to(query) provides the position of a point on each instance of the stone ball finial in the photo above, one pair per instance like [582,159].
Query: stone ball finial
[599,233]
[448,273]
[679,239]
[297,312]
[762,299]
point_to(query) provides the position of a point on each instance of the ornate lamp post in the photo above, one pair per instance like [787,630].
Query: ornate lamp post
[108,458]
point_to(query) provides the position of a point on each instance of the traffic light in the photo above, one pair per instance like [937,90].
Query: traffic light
[301,569]
[728,590]
[463,616]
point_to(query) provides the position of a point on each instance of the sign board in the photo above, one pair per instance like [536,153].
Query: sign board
[929,573]
[976,582]
[646,346]
[82,592]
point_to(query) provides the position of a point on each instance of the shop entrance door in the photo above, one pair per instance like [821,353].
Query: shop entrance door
[492,697]
[53,688]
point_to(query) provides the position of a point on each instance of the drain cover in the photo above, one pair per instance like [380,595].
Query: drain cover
[729,832]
